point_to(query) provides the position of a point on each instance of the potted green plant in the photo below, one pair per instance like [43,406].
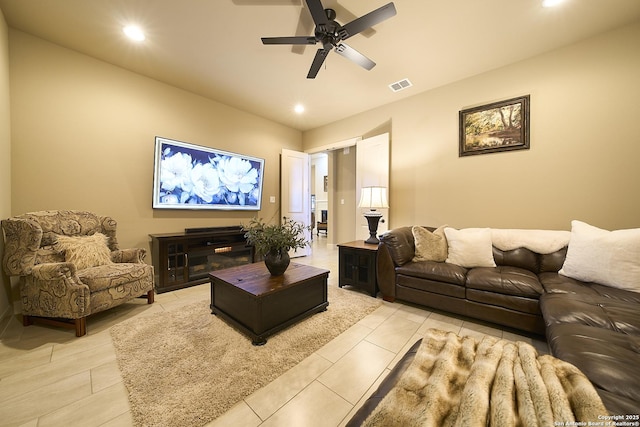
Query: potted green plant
[274,241]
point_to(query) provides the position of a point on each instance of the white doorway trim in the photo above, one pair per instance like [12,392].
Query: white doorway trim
[334,146]
[295,196]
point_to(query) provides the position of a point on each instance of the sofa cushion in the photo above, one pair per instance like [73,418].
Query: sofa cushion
[608,358]
[558,284]
[555,283]
[608,257]
[470,247]
[521,258]
[431,286]
[552,262]
[505,280]
[430,246]
[599,312]
[443,272]
[517,303]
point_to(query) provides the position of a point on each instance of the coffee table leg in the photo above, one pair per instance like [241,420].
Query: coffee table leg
[257,341]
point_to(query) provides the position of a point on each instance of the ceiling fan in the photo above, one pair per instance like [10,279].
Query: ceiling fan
[331,34]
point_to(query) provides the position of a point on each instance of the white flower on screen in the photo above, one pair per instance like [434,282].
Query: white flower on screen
[237,174]
[206,182]
[175,172]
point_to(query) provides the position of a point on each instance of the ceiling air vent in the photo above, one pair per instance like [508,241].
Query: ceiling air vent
[402,84]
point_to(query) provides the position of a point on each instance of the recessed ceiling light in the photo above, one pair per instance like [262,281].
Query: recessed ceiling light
[551,3]
[134,33]
[299,108]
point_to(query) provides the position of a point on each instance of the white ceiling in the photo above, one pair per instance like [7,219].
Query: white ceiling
[213,47]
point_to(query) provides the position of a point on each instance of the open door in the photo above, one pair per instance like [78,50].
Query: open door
[372,169]
[295,195]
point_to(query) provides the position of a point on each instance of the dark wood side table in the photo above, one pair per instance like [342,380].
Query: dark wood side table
[358,266]
[260,304]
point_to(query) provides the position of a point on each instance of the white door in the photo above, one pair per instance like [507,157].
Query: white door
[295,196]
[372,169]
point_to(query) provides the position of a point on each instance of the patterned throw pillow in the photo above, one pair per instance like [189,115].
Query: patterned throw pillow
[84,251]
[429,246]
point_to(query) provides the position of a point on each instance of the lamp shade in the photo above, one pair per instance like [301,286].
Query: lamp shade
[373,198]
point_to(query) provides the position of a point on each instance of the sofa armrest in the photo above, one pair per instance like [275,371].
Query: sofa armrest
[386,273]
[400,244]
[134,255]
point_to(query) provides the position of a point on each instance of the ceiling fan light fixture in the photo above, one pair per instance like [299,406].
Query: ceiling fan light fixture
[134,32]
[331,34]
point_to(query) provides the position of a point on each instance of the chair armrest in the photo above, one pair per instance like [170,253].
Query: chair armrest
[53,271]
[134,255]
[54,290]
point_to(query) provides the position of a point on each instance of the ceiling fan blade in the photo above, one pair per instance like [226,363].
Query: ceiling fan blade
[317,12]
[305,26]
[318,60]
[355,56]
[289,40]
[367,21]
[347,16]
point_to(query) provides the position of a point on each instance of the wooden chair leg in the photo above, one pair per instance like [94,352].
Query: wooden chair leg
[81,326]
[151,296]
[26,320]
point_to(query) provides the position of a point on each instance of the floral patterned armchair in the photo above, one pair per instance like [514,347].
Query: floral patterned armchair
[69,266]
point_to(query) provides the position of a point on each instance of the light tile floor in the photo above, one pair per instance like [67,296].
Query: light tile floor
[48,377]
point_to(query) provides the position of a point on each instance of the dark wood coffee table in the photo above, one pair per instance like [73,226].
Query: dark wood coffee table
[258,304]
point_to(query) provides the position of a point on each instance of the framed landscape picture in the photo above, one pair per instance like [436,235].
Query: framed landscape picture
[495,127]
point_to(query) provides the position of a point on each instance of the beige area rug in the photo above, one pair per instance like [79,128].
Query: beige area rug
[187,367]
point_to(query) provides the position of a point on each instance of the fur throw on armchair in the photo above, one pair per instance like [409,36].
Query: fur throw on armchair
[459,381]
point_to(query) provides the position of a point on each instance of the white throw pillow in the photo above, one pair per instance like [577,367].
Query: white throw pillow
[429,246]
[470,247]
[610,258]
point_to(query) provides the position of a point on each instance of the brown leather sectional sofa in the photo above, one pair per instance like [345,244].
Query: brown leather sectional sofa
[594,327]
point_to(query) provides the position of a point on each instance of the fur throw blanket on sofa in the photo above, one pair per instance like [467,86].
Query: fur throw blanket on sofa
[458,381]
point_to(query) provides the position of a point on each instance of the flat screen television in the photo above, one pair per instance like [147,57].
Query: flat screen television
[188,176]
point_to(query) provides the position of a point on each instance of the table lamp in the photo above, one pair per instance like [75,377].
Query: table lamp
[373,198]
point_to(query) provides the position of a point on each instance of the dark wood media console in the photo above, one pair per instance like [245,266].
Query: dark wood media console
[185,259]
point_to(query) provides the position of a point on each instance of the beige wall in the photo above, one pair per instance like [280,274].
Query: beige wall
[5,157]
[83,138]
[582,163]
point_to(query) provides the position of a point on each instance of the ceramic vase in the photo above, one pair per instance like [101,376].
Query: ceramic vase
[277,262]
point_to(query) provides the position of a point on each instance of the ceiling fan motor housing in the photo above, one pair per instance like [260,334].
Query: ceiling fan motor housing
[328,32]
